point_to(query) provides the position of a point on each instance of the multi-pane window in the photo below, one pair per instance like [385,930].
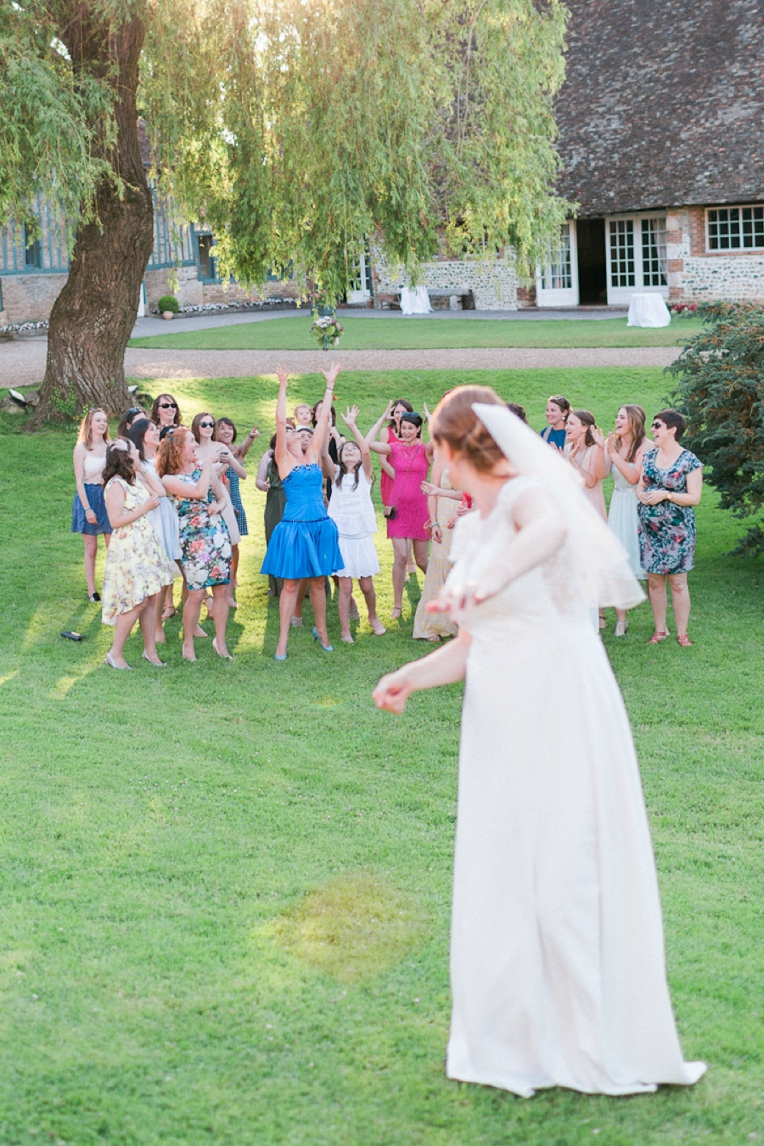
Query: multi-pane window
[32,250]
[654,252]
[735,228]
[557,274]
[622,253]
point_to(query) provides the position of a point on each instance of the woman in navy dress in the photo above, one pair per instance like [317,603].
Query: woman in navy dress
[304,544]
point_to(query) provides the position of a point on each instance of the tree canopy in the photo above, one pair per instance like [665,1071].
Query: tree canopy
[298,129]
[720,389]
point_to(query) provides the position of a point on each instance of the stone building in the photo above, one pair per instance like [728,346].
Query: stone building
[662,138]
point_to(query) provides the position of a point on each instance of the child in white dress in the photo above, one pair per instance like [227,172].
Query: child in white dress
[352,510]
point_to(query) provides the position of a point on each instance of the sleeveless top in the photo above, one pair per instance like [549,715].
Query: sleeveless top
[93,468]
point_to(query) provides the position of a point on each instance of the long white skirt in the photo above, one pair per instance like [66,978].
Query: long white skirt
[557,957]
[623,520]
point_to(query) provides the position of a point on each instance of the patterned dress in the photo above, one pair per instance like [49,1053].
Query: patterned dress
[204,542]
[137,565]
[666,530]
[429,625]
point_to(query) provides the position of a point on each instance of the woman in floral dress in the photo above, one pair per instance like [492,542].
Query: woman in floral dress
[137,566]
[205,545]
[670,485]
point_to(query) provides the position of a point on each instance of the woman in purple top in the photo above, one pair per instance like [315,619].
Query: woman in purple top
[407,517]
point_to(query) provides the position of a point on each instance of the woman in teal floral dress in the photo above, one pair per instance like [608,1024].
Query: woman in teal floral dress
[669,487]
[199,498]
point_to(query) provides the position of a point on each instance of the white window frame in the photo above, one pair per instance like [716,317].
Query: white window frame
[621,296]
[560,296]
[730,250]
[363,277]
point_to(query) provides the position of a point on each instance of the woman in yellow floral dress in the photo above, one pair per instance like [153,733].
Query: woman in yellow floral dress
[137,567]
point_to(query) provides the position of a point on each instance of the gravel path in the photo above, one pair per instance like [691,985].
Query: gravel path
[22,363]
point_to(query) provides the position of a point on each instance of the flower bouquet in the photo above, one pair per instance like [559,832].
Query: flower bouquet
[326,329]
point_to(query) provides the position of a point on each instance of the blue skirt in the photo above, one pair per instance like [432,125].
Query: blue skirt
[80,524]
[299,549]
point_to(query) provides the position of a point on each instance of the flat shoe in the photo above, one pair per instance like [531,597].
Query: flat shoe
[94,598]
[684,640]
[296,622]
[395,613]
[656,638]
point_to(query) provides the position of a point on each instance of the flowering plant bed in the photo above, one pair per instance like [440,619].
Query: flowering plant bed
[682,307]
[326,329]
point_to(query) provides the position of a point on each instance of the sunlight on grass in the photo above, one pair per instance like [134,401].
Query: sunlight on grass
[8,676]
[65,683]
[352,928]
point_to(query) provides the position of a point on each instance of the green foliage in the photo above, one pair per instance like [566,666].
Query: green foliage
[720,388]
[56,122]
[325,124]
[168,302]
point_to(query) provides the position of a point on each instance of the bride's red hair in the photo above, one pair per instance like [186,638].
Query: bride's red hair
[457,424]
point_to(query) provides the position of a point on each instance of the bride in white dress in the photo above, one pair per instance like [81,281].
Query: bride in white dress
[557,957]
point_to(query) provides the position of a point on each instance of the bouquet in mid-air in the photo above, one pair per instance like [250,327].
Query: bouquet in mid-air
[327,330]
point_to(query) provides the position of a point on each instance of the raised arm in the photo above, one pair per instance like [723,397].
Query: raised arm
[281,454]
[320,431]
[373,434]
[240,452]
[349,418]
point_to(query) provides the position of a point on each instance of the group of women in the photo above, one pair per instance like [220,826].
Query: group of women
[320,519]
[166,499]
[656,485]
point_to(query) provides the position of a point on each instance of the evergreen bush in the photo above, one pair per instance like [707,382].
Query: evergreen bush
[168,302]
[720,390]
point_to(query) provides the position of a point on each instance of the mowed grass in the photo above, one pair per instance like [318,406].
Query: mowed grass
[407,333]
[226,886]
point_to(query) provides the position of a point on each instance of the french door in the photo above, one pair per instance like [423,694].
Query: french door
[635,250]
[557,281]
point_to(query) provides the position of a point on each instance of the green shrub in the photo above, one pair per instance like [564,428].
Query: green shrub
[720,390]
[168,302]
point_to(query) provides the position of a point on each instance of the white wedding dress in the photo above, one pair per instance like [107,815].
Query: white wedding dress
[557,955]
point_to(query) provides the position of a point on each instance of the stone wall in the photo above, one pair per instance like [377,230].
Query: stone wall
[696,275]
[29,298]
[493,283]
[232,292]
[188,291]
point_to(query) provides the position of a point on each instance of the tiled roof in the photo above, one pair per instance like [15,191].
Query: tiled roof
[663,104]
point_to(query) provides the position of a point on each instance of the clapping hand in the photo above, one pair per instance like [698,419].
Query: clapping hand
[611,445]
[599,437]
[350,416]
[426,412]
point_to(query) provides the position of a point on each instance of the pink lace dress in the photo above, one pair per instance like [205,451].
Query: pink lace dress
[411,467]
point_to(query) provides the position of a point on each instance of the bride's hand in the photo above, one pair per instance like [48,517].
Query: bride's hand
[459,601]
[392,692]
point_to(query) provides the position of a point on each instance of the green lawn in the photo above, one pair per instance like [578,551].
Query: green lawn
[423,334]
[225,896]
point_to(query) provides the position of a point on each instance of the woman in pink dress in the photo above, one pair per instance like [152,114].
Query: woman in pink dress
[406,511]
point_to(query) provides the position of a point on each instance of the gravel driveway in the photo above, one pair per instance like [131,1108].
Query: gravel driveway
[22,363]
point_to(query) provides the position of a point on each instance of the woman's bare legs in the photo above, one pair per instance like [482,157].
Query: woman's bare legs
[287,600]
[297,612]
[90,541]
[680,600]
[191,610]
[318,601]
[420,554]
[400,556]
[657,592]
[122,629]
[346,592]
[370,596]
[234,581]
[148,620]
[220,617]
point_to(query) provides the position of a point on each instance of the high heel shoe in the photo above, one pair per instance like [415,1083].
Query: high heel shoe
[620,628]
[278,658]
[109,660]
[316,637]
[223,656]
[156,664]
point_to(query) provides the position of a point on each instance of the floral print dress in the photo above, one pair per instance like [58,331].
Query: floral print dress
[666,530]
[137,565]
[205,547]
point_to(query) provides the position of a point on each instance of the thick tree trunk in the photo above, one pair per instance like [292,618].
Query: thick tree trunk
[93,317]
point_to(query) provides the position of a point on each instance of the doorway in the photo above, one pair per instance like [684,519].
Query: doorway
[592,262]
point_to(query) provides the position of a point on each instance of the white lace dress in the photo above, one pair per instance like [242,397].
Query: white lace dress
[557,956]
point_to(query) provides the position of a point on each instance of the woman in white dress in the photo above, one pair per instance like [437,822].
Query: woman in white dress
[557,960]
[624,450]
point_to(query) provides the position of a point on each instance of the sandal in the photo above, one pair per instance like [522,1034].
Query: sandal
[395,613]
[684,640]
[656,638]
[169,611]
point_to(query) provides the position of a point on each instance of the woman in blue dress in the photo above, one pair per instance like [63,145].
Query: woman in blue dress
[304,544]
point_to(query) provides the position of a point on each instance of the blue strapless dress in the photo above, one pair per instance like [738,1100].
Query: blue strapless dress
[304,543]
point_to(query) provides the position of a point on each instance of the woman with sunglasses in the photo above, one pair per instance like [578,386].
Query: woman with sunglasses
[670,486]
[407,517]
[165,412]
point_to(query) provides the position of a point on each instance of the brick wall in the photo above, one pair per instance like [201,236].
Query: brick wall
[30,298]
[696,275]
[232,292]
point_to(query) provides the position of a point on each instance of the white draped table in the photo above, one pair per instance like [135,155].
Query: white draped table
[415,300]
[648,310]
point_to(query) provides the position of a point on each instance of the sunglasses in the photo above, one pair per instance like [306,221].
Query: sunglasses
[135,410]
[207,425]
[168,406]
[656,426]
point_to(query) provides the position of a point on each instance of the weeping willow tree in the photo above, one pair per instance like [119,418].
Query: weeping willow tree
[296,129]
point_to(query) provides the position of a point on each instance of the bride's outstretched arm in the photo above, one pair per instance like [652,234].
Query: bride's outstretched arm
[442,667]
